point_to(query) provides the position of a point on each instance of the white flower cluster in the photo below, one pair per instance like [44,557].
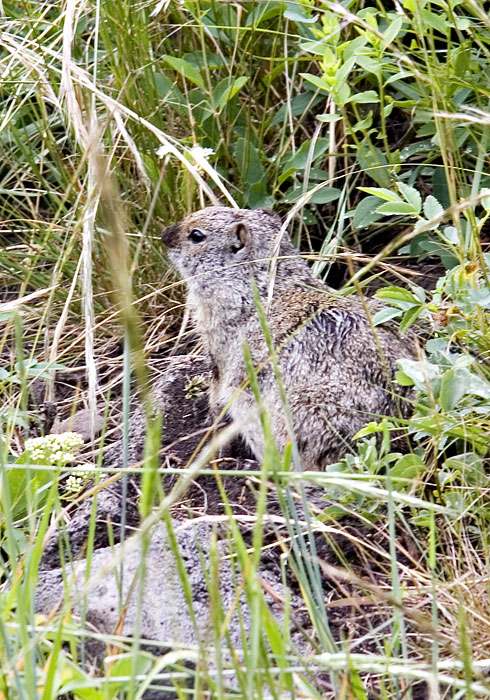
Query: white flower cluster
[76,482]
[199,155]
[56,450]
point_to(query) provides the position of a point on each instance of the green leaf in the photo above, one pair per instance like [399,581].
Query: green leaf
[365,97]
[258,197]
[409,318]
[341,94]
[295,15]
[21,480]
[420,372]
[396,293]
[392,31]
[403,379]
[329,118]
[319,83]
[342,74]
[436,21]
[323,196]
[262,12]
[386,315]
[125,665]
[407,467]
[382,193]
[365,213]
[364,124]
[186,69]
[298,105]
[307,151]
[226,89]
[411,195]
[369,64]
[432,208]
[397,208]
[451,235]
[374,161]
[398,76]
[453,387]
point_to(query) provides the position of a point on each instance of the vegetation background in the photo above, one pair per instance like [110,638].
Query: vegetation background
[367,124]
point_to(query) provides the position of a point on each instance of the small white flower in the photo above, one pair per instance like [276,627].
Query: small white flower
[163,150]
[201,155]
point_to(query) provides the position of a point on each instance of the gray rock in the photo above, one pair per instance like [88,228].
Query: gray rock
[113,604]
[84,422]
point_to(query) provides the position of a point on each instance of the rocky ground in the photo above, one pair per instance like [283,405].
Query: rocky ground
[105,589]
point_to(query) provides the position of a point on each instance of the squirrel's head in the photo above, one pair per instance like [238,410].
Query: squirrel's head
[216,239]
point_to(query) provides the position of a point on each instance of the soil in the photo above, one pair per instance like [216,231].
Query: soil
[353,612]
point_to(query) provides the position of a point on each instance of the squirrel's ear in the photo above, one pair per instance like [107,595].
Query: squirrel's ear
[240,237]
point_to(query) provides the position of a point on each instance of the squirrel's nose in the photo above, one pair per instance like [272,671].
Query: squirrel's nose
[169,235]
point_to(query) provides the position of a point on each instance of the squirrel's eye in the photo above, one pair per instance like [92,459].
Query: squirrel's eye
[196,236]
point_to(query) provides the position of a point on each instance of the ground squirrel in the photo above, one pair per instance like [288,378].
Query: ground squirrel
[337,374]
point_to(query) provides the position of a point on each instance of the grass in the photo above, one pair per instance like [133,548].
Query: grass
[367,125]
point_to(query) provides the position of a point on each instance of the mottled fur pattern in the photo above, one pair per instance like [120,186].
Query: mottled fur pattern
[337,374]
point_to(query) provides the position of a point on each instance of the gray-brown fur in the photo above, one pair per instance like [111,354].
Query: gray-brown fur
[337,374]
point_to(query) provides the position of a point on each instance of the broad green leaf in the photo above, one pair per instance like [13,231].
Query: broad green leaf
[420,372]
[364,124]
[343,72]
[392,31]
[451,234]
[453,387]
[298,105]
[398,293]
[365,213]
[408,467]
[479,386]
[403,379]
[285,175]
[432,208]
[262,12]
[341,94]
[411,195]
[382,193]
[436,21]
[329,118]
[397,208]
[463,23]
[248,161]
[295,15]
[186,69]
[228,89]
[307,151]
[124,666]
[386,315]
[21,479]
[369,64]
[398,76]
[374,162]
[326,194]
[258,197]
[365,97]
[409,318]
[318,82]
